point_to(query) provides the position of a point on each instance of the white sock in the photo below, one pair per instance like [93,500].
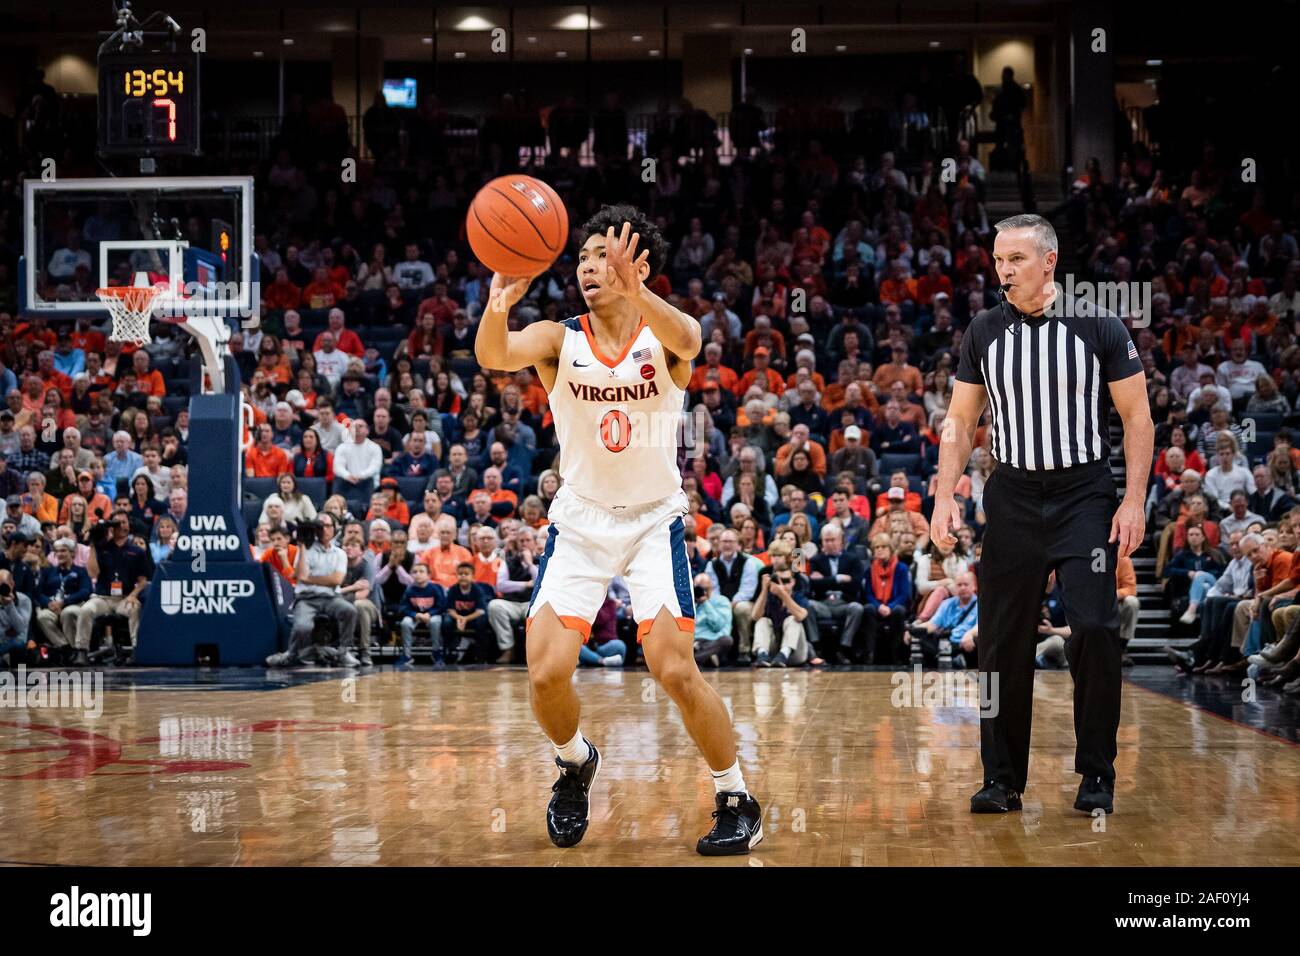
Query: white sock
[575,751]
[729,780]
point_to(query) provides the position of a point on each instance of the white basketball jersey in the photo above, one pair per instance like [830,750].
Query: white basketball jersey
[616,419]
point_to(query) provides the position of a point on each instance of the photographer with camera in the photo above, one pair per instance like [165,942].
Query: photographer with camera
[15,621]
[61,594]
[713,638]
[120,571]
[320,570]
[956,617]
[781,605]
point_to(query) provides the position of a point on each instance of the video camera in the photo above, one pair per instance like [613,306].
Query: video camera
[308,533]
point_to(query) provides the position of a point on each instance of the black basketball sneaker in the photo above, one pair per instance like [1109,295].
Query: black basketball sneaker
[1095,794]
[737,826]
[570,807]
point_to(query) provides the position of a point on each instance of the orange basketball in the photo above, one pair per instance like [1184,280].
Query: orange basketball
[517,225]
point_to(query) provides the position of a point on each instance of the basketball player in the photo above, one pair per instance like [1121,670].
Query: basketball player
[616,380]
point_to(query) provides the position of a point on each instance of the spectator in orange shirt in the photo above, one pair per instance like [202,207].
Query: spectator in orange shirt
[713,370]
[322,292]
[85,338]
[815,236]
[912,412]
[800,438]
[897,370]
[806,358]
[265,460]
[345,340]
[282,555]
[487,558]
[281,294]
[911,500]
[395,507]
[441,306]
[932,283]
[833,394]
[1260,320]
[50,376]
[38,331]
[504,501]
[897,287]
[443,557]
[531,395]
[37,502]
[764,336]
[762,374]
[272,362]
[147,380]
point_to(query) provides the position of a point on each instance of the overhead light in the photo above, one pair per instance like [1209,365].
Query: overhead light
[1155,62]
[749,51]
[654,52]
[459,54]
[427,41]
[532,39]
[257,53]
[934,43]
[840,48]
[637,38]
[473,22]
[719,25]
[578,21]
[561,53]
[1150,81]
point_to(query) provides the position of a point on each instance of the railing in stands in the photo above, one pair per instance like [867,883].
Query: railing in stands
[253,138]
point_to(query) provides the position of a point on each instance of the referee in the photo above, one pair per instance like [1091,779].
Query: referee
[1049,367]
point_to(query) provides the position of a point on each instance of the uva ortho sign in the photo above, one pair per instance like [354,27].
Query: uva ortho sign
[207,533]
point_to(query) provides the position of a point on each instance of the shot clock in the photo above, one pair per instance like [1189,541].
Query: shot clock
[149,103]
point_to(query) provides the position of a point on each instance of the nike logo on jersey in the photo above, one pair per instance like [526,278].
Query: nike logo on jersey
[577,364]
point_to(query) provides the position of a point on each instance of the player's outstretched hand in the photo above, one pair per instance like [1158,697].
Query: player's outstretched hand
[622,264]
[507,290]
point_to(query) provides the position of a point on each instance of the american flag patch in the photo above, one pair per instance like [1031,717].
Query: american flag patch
[1132,350]
[641,355]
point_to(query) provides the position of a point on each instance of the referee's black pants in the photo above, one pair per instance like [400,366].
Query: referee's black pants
[1039,521]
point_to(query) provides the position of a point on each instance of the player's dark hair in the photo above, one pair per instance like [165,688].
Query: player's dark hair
[651,237]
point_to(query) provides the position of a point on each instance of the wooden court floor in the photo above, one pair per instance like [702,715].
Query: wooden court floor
[425,768]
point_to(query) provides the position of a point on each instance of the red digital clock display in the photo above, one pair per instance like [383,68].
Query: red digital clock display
[149,103]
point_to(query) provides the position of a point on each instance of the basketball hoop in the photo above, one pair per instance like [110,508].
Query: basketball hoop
[131,308]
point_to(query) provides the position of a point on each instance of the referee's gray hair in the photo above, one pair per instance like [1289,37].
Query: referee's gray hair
[1046,234]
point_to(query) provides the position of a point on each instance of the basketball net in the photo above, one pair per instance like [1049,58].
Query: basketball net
[132,307]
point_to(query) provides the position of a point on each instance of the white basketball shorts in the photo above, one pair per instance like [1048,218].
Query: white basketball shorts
[587,544]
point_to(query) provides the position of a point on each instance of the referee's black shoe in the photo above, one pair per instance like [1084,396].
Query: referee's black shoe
[737,826]
[569,811]
[995,798]
[1095,794]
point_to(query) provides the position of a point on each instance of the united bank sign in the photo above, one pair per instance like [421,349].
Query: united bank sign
[203,596]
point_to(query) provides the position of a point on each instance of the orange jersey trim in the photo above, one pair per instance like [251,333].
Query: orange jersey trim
[570,622]
[686,624]
[585,321]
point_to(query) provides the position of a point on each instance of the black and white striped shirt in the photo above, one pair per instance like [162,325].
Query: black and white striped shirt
[1044,376]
